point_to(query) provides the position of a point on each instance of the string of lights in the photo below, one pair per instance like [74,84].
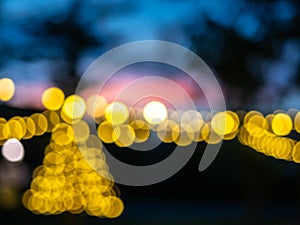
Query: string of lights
[66,181]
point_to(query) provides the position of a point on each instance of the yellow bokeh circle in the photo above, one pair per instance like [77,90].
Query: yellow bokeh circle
[282,124]
[74,107]
[7,89]
[96,105]
[116,113]
[223,123]
[53,98]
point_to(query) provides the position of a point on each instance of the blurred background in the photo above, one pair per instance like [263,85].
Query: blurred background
[253,48]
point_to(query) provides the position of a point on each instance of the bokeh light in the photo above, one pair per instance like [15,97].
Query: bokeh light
[116,113]
[13,150]
[168,131]
[141,129]
[155,112]
[96,105]
[57,187]
[208,134]
[30,128]
[253,48]
[123,135]
[223,123]
[67,182]
[7,89]
[53,98]
[105,132]
[73,108]
[282,124]
[40,122]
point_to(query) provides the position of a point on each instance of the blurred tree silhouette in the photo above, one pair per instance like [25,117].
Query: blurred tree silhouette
[242,41]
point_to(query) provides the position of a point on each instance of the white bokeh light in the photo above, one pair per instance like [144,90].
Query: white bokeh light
[155,112]
[13,150]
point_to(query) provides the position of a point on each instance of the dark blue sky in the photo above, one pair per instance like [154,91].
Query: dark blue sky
[42,41]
